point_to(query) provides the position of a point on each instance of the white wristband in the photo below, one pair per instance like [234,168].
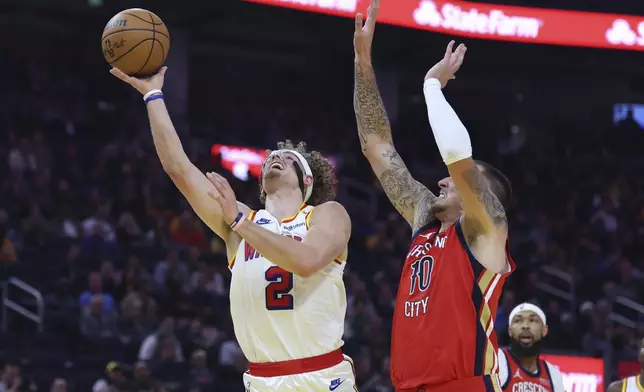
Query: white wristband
[450,134]
[152,92]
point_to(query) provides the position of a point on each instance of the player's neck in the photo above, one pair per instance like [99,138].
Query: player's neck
[447,219]
[283,203]
[529,363]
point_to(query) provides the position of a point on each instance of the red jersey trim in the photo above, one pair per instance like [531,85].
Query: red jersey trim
[485,289]
[542,366]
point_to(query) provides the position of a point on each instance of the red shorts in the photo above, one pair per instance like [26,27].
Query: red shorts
[475,384]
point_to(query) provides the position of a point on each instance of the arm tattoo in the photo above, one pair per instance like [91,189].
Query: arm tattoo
[479,185]
[370,111]
[405,193]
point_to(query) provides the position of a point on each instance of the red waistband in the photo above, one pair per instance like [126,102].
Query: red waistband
[296,366]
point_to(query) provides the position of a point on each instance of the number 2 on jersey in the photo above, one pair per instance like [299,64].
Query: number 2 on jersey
[277,291]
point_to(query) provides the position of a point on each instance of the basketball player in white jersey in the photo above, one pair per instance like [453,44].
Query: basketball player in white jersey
[520,367]
[287,296]
[633,383]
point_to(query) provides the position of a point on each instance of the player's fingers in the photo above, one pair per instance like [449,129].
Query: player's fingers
[214,195]
[448,50]
[372,13]
[223,187]
[358,22]
[460,56]
[220,191]
[220,179]
[162,70]
[119,74]
[375,4]
[210,177]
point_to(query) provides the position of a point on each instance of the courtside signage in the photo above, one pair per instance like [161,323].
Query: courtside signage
[494,22]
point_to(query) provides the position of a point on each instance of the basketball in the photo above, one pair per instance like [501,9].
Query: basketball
[136,41]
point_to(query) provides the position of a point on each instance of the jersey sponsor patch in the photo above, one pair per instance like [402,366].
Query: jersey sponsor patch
[263,221]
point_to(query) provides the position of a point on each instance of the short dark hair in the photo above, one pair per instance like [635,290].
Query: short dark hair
[499,183]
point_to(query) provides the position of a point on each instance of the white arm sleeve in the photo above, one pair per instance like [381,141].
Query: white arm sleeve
[503,368]
[450,134]
[556,376]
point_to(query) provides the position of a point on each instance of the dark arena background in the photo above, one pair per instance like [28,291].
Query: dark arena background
[100,254]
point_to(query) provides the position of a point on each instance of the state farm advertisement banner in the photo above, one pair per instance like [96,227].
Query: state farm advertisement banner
[580,374]
[495,22]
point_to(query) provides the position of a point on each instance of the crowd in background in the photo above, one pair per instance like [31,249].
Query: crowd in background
[136,286]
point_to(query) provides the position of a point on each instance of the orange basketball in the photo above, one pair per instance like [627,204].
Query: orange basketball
[136,41]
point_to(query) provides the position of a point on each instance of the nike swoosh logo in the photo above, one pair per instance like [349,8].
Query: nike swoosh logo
[334,387]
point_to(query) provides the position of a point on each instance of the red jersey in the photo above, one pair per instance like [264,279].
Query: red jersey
[443,325]
[518,379]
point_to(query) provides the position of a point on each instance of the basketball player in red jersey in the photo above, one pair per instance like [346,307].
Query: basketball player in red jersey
[520,368]
[634,383]
[443,337]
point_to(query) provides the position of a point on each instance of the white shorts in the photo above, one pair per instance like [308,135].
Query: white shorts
[338,378]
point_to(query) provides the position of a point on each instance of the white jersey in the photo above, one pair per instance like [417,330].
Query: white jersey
[632,384]
[277,315]
[505,376]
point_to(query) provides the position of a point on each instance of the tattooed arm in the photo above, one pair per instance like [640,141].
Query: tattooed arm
[483,213]
[409,197]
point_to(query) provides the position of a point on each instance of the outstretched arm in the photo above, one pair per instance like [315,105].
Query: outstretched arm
[484,222]
[327,238]
[192,183]
[409,197]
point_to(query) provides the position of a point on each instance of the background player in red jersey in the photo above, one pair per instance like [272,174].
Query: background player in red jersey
[443,335]
[633,383]
[520,368]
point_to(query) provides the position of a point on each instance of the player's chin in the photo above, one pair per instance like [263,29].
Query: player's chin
[272,173]
[441,204]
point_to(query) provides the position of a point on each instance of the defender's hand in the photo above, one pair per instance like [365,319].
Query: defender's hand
[225,196]
[445,69]
[363,35]
[143,85]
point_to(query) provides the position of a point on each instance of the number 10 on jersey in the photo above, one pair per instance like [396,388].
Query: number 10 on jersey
[279,286]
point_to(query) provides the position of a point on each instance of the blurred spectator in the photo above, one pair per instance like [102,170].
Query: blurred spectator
[186,230]
[143,380]
[116,380]
[135,325]
[151,346]
[59,385]
[200,375]
[171,268]
[11,378]
[7,250]
[95,283]
[110,278]
[95,323]
[166,367]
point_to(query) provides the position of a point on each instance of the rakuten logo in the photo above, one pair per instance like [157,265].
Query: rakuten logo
[620,33]
[581,382]
[337,5]
[496,22]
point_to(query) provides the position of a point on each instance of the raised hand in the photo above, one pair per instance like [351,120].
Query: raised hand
[363,35]
[224,195]
[143,85]
[445,69]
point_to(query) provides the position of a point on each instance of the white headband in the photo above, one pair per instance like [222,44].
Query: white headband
[305,167]
[528,307]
